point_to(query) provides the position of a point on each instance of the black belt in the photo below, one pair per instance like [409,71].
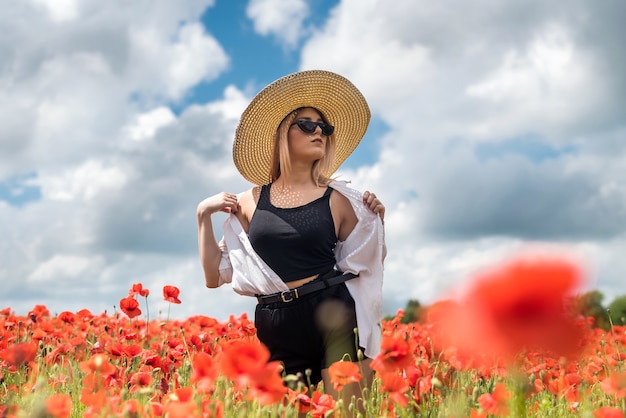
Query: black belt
[306,289]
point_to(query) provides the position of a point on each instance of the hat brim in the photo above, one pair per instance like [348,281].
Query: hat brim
[341,103]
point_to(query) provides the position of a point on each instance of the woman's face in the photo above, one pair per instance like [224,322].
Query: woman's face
[303,145]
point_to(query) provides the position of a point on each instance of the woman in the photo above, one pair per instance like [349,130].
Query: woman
[310,249]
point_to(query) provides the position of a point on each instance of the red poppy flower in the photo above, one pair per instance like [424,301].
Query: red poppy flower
[59,405]
[266,385]
[303,402]
[180,409]
[496,403]
[615,385]
[323,405]
[131,408]
[18,354]
[395,354]
[203,368]
[608,412]
[170,294]
[344,372]
[130,306]
[142,379]
[38,312]
[184,394]
[521,304]
[246,363]
[396,386]
[96,400]
[239,358]
[99,363]
[138,289]
[67,317]
[133,350]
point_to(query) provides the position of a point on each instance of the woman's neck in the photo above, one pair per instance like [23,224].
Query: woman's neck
[297,179]
[294,183]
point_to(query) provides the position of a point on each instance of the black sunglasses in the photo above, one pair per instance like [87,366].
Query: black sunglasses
[308,126]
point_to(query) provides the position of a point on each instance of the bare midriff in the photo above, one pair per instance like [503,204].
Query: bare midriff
[300,282]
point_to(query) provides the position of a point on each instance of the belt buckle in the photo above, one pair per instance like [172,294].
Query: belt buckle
[293,292]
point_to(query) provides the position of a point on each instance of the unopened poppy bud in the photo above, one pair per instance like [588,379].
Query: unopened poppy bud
[360,355]
[436,382]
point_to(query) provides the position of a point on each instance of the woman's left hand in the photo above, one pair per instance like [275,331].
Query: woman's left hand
[372,202]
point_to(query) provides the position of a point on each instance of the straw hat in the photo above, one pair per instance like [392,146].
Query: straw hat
[341,103]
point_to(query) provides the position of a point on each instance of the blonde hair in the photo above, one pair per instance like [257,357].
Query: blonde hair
[281,163]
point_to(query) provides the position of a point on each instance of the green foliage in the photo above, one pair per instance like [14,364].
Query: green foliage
[412,312]
[617,310]
[590,305]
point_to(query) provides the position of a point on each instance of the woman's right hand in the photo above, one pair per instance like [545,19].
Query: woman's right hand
[224,202]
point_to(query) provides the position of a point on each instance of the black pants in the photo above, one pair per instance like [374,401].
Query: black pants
[311,332]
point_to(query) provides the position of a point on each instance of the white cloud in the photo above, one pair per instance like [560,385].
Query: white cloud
[84,182]
[148,123]
[538,87]
[233,105]
[281,18]
[356,43]
[59,10]
[169,68]
[63,266]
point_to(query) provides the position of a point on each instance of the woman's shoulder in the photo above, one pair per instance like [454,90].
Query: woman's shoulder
[248,201]
[344,188]
[251,193]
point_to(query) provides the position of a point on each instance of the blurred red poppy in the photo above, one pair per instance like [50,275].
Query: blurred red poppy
[98,363]
[142,379]
[344,372]
[615,385]
[496,403]
[59,405]
[246,363]
[67,317]
[240,358]
[170,294]
[20,353]
[203,368]
[608,412]
[396,386]
[266,385]
[521,304]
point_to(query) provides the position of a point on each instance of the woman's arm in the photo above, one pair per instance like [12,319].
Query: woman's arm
[210,252]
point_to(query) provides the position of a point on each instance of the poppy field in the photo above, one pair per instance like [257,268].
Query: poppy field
[512,346]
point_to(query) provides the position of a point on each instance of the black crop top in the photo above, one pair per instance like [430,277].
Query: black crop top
[295,242]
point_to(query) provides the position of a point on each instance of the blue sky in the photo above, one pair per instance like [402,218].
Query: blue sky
[495,130]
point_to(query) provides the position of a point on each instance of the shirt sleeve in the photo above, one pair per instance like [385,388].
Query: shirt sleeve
[225,268]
